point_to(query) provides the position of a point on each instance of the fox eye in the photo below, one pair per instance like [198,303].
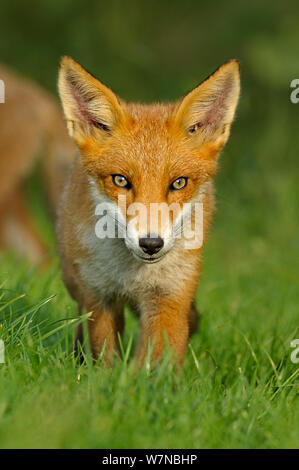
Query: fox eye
[121,181]
[179,183]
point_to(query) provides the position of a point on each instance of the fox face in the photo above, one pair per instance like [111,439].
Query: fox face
[155,160]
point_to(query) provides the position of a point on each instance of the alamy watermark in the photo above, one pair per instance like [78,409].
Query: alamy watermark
[295,353]
[294,96]
[169,221]
[2,91]
[2,352]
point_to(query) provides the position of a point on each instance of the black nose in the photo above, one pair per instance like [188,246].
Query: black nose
[151,245]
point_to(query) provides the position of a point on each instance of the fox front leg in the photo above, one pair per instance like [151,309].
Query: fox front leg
[168,322]
[104,327]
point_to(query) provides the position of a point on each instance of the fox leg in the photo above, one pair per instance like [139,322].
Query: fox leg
[104,326]
[169,319]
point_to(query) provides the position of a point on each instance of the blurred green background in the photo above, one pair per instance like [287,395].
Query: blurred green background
[243,391]
[159,50]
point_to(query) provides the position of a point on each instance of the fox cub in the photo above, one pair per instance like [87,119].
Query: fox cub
[142,156]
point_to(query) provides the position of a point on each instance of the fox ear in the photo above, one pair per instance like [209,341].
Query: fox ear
[89,106]
[206,113]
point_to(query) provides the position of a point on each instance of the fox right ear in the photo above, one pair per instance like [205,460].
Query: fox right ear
[206,113]
[89,106]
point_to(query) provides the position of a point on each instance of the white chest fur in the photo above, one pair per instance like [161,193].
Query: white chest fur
[111,270]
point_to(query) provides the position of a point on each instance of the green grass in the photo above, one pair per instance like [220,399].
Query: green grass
[238,388]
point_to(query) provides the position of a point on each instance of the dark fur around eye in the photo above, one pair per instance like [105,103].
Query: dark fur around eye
[100,125]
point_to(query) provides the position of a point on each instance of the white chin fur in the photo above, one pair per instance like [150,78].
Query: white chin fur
[147,260]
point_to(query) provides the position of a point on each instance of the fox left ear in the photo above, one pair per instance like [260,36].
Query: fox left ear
[207,112]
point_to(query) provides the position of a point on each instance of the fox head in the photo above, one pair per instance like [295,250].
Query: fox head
[148,154]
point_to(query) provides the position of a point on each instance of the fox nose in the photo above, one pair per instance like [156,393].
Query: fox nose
[151,245]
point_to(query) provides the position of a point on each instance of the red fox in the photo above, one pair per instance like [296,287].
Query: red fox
[141,154]
[129,155]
